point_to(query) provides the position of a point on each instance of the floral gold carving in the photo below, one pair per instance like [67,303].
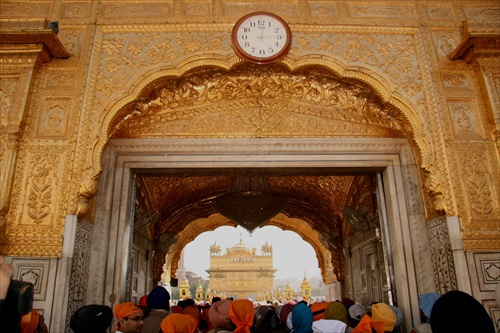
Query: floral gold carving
[399,11]
[41,187]
[439,13]
[479,186]
[76,10]
[26,9]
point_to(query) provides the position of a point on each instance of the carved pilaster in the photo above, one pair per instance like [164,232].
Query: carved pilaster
[10,141]
[25,45]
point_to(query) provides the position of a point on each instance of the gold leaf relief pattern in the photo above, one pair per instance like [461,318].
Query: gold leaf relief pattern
[438,13]
[463,119]
[71,40]
[124,57]
[379,11]
[25,10]
[75,10]
[8,87]
[41,187]
[479,185]
[262,101]
[478,13]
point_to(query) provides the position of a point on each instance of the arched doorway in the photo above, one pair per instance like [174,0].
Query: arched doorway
[392,157]
[278,122]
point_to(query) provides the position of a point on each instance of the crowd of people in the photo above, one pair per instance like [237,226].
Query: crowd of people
[455,311]
[452,312]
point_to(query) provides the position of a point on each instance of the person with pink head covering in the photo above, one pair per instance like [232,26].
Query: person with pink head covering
[219,317]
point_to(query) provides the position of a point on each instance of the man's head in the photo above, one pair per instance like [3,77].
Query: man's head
[91,318]
[129,317]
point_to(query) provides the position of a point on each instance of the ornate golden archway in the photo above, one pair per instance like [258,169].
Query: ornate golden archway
[291,99]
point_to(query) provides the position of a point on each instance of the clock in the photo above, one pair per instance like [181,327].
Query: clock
[261,37]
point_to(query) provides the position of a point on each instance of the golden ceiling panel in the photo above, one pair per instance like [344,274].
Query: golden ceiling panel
[181,199]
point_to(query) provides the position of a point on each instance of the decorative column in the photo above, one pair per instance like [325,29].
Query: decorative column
[25,45]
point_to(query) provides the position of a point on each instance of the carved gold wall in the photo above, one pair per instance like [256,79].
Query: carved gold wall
[53,138]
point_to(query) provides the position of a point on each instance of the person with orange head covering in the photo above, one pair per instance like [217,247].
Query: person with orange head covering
[241,313]
[176,309]
[179,323]
[366,324]
[129,318]
[193,311]
[33,322]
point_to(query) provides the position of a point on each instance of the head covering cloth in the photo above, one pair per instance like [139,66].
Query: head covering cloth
[142,301]
[366,324]
[176,309]
[459,312]
[357,311]
[426,302]
[318,310]
[337,311]
[158,298]
[241,312]
[179,323]
[302,318]
[91,318]
[399,315]
[285,311]
[328,326]
[123,310]
[219,313]
[192,310]
[382,312]
[29,322]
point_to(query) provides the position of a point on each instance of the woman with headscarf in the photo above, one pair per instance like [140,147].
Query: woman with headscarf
[179,323]
[219,317]
[241,313]
[302,318]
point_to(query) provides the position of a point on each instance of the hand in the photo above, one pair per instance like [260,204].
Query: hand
[6,273]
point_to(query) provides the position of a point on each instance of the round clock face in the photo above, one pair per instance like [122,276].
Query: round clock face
[261,37]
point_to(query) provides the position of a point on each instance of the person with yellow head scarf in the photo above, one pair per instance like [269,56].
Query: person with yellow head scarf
[179,323]
[382,312]
[337,311]
[241,312]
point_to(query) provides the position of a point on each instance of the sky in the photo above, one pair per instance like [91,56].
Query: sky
[292,256]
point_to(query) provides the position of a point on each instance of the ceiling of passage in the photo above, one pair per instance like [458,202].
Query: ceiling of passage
[314,196]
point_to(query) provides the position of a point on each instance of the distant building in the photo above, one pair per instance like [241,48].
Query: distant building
[240,272]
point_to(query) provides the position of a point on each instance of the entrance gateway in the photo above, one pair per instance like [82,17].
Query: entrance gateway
[400,215]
